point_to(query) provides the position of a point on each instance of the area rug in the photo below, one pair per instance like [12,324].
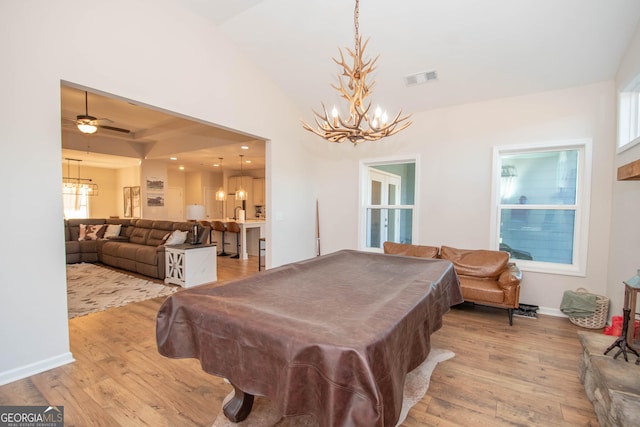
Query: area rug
[92,288]
[264,414]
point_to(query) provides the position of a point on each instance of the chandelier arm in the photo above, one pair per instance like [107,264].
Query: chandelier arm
[343,64]
[342,90]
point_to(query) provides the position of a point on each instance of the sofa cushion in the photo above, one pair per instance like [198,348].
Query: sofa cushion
[410,250]
[72,246]
[481,290]
[157,236]
[67,232]
[139,235]
[476,262]
[147,255]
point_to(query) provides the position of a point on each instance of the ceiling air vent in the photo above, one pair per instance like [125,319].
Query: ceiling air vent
[424,77]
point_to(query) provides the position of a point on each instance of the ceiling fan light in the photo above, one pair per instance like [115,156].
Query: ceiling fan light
[87,128]
[86,124]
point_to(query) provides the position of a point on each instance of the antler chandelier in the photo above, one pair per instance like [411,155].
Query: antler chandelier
[361,125]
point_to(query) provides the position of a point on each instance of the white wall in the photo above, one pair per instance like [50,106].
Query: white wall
[624,257]
[152,51]
[455,146]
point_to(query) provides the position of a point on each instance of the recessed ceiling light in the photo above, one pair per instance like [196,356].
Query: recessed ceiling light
[244,147]
[181,168]
[173,158]
[216,165]
[247,161]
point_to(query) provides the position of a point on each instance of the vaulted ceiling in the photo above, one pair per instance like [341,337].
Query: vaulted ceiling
[480,50]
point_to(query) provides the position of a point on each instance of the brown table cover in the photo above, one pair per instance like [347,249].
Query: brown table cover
[332,336]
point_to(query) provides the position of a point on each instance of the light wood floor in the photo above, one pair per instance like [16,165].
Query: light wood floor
[524,375]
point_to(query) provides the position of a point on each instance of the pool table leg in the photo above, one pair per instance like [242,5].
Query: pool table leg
[239,407]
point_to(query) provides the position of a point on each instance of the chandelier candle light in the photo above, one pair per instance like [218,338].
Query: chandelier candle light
[361,125]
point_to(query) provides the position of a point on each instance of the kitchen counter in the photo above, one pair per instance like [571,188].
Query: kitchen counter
[245,226]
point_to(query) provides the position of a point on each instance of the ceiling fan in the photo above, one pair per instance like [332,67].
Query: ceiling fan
[89,124]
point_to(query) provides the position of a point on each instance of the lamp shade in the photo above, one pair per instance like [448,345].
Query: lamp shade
[195,212]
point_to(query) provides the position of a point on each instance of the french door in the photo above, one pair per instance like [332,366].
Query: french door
[383,218]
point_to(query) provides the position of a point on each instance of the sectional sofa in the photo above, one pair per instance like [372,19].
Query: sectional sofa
[136,245]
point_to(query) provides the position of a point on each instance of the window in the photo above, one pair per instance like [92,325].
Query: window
[76,203]
[541,200]
[629,115]
[388,203]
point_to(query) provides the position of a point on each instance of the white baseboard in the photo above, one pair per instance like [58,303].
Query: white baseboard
[551,312]
[35,368]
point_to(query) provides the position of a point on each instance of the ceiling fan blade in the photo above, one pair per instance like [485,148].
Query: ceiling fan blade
[113,128]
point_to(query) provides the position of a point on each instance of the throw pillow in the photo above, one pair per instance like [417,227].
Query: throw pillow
[94,232]
[113,230]
[177,238]
[82,232]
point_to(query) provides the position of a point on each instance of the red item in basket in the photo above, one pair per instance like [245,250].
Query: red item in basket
[616,327]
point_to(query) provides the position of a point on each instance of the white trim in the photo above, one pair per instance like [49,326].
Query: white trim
[362,194]
[35,368]
[582,206]
[551,312]
[628,119]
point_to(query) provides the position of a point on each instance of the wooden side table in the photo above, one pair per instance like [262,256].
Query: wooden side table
[631,289]
[625,341]
[190,265]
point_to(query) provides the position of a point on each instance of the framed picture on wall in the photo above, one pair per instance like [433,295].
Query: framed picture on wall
[155,183]
[127,202]
[155,200]
[135,202]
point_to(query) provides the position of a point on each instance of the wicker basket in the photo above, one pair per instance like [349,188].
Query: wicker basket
[599,318]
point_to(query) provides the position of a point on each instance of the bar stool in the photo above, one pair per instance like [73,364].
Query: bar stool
[233,227]
[219,226]
[208,224]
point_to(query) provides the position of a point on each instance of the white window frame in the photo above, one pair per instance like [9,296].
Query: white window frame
[578,267]
[629,116]
[363,197]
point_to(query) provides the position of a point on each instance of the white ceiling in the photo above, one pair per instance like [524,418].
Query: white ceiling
[154,135]
[480,49]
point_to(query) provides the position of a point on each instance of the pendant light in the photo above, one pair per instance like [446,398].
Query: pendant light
[77,185]
[221,195]
[241,193]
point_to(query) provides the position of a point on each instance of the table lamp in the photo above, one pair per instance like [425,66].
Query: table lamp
[195,213]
